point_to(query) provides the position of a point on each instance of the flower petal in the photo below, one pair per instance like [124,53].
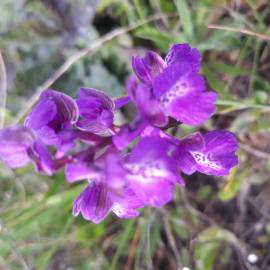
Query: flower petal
[152,172]
[81,167]
[42,114]
[215,156]
[96,110]
[177,80]
[148,67]
[183,53]
[67,109]
[128,133]
[193,142]
[42,158]
[104,99]
[152,190]
[121,102]
[182,95]
[80,171]
[193,109]
[123,212]
[48,136]
[14,144]
[93,203]
[220,148]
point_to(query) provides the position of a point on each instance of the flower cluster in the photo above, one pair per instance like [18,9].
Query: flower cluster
[134,165]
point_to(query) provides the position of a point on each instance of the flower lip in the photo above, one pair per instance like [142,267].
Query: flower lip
[212,153]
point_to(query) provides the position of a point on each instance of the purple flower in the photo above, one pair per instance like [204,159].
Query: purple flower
[212,153]
[107,189]
[152,172]
[172,88]
[19,146]
[146,176]
[54,112]
[96,111]
[145,172]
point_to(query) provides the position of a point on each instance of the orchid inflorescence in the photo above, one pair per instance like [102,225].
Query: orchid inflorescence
[134,165]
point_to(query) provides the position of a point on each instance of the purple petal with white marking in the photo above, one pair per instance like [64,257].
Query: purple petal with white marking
[152,172]
[182,95]
[215,156]
[124,212]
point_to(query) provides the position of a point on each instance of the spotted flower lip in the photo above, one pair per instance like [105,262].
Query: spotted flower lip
[107,191]
[182,95]
[213,153]
[153,173]
[96,111]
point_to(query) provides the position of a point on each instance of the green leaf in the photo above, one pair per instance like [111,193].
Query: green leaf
[186,20]
[233,185]
[231,70]
[162,39]
[215,83]
[207,246]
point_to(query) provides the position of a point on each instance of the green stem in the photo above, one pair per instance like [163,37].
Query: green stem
[241,105]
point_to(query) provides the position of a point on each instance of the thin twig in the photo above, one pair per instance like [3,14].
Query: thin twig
[254,152]
[132,249]
[239,30]
[170,237]
[3,90]
[148,243]
[96,44]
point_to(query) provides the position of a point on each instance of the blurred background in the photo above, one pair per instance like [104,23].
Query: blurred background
[214,223]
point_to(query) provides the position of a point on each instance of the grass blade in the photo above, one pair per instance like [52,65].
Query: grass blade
[185,17]
[3,91]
